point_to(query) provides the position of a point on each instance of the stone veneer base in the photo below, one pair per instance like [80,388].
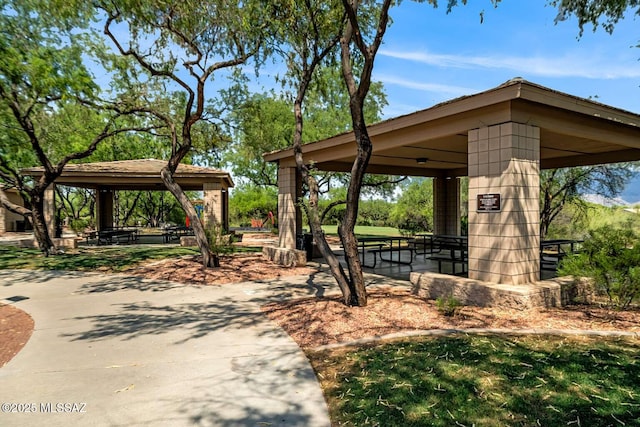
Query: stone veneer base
[543,294]
[59,242]
[286,257]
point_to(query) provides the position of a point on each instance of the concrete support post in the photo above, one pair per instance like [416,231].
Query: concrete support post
[3,220]
[104,209]
[446,206]
[289,218]
[50,210]
[214,205]
[504,165]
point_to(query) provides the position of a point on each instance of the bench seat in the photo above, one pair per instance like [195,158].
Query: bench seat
[442,259]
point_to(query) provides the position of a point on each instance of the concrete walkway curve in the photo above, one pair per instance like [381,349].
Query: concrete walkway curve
[123,351]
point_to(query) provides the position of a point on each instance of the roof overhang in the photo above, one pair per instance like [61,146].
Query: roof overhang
[134,175]
[573,132]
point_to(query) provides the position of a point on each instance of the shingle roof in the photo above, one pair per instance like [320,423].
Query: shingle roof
[140,173]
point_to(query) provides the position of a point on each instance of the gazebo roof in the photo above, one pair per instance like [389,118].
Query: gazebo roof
[573,132]
[142,174]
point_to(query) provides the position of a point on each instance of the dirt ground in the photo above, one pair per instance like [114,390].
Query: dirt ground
[317,321]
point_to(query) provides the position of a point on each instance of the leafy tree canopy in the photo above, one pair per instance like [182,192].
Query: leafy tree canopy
[598,13]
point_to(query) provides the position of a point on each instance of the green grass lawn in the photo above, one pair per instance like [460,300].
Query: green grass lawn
[484,381]
[87,259]
[363,230]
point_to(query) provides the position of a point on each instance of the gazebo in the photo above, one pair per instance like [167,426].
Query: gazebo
[501,139]
[143,175]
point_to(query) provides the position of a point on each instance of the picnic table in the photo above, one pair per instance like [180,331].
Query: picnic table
[117,235]
[449,249]
[392,245]
[174,233]
[555,250]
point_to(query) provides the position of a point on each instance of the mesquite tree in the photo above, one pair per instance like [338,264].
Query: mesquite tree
[183,44]
[311,38]
[50,106]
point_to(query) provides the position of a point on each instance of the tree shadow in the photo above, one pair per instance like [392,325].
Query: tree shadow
[273,392]
[115,283]
[317,284]
[489,381]
[144,318]
[13,277]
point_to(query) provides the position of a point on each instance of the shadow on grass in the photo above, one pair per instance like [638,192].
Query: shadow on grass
[486,381]
[87,259]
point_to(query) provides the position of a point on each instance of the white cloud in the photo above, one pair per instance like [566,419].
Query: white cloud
[591,67]
[426,87]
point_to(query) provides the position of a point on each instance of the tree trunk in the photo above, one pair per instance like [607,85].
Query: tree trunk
[40,231]
[347,227]
[35,215]
[343,281]
[208,259]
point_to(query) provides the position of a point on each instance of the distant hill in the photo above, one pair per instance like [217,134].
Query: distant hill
[605,201]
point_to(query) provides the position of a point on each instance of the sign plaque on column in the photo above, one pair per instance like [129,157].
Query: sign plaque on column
[488,202]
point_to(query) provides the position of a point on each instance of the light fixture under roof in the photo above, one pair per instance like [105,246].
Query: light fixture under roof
[421,160]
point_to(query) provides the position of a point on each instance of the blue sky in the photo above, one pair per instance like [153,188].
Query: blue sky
[429,56]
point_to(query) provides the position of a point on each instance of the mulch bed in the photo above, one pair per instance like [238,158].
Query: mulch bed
[314,322]
[16,327]
[233,269]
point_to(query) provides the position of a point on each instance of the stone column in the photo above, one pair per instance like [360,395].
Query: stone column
[212,204]
[446,206]
[104,209]
[504,244]
[50,210]
[289,219]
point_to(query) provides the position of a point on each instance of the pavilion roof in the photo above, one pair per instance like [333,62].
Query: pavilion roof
[139,174]
[434,142]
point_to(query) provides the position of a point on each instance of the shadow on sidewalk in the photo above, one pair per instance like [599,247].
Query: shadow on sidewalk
[196,319]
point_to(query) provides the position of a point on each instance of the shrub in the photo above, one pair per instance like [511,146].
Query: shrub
[611,258]
[448,305]
[219,243]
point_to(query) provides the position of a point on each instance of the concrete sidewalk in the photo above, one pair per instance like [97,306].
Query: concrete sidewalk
[123,351]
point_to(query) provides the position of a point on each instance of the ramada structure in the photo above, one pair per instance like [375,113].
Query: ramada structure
[143,175]
[500,139]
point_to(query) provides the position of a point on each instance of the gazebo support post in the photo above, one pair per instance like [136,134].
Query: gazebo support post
[504,234]
[50,210]
[104,209]
[215,202]
[289,220]
[289,217]
[446,206]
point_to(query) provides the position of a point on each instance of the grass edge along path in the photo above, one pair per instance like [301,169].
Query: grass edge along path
[489,380]
[110,259]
